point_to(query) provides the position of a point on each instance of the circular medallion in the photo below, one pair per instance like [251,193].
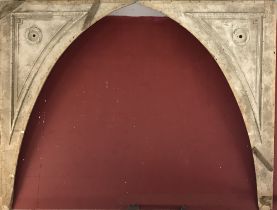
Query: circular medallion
[34,35]
[241,36]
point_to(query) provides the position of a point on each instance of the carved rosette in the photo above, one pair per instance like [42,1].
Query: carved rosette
[34,35]
[241,36]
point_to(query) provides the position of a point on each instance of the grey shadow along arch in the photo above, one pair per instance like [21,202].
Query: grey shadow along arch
[239,35]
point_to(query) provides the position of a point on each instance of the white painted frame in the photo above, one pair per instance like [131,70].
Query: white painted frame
[239,34]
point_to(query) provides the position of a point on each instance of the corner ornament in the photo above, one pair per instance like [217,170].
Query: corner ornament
[34,35]
[240,35]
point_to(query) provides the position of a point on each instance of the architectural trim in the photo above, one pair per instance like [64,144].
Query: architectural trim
[240,35]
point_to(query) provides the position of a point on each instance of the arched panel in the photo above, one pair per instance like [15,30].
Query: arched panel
[239,35]
[227,36]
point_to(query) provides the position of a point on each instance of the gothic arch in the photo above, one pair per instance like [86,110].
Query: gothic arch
[239,35]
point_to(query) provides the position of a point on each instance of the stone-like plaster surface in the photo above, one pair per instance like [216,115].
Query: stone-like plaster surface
[240,35]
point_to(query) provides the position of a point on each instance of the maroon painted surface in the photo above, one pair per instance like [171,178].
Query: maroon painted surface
[136,111]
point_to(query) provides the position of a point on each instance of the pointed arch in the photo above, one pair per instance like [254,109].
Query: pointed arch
[240,37]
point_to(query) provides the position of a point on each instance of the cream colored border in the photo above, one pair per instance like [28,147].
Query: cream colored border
[240,35]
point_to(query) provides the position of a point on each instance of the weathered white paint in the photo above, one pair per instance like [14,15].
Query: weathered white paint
[240,35]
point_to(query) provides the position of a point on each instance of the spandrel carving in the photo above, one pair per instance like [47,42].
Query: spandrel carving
[240,35]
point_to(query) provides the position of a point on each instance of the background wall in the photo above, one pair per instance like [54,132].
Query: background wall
[136,10]
[136,111]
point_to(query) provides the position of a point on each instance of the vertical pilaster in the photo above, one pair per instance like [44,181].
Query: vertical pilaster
[264,154]
[5,100]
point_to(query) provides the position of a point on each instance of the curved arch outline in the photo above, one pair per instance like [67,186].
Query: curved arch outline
[259,124]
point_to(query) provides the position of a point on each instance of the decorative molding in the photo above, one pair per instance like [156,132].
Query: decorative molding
[35,33]
[240,35]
